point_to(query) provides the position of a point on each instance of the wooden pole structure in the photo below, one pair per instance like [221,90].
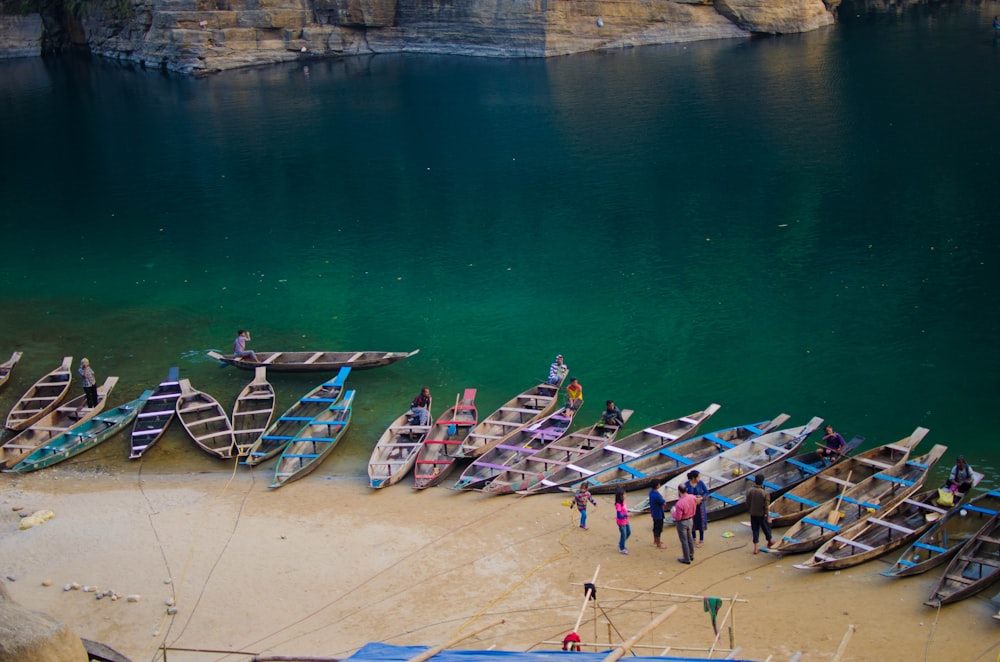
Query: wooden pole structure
[843,644]
[668,595]
[586,599]
[626,646]
[725,618]
[431,652]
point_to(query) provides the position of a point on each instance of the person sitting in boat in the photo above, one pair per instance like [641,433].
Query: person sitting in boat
[575,393]
[240,346]
[612,416]
[960,479]
[420,408]
[996,22]
[557,371]
[833,445]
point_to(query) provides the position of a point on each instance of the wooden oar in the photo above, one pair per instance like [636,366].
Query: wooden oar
[834,516]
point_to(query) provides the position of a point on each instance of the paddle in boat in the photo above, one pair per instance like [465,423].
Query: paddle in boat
[314,361]
[43,396]
[82,436]
[296,417]
[252,412]
[434,459]
[205,421]
[8,366]
[524,476]
[155,414]
[870,497]
[396,450]
[53,424]
[974,568]
[314,442]
[524,409]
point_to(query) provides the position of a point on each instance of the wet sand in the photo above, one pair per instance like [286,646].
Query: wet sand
[324,565]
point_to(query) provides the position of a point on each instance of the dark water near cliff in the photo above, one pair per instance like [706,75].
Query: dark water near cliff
[803,224]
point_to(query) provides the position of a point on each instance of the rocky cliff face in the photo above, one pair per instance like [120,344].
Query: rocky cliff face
[200,36]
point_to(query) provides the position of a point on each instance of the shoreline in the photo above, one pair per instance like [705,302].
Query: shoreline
[325,565]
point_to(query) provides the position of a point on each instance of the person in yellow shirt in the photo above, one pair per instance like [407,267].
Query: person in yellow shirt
[575,393]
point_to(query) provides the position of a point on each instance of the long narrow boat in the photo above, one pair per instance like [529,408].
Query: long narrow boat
[155,415]
[530,471]
[666,462]
[524,409]
[873,495]
[314,361]
[53,424]
[296,417]
[974,568]
[314,442]
[396,450]
[206,421]
[779,477]
[8,366]
[433,460]
[522,443]
[252,412]
[942,540]
[895,527]
[43,396]
[825,486]
[82,436]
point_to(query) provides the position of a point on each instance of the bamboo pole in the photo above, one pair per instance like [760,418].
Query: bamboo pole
[626,646]
[586,599]
[431,652]
[843,644]
[668,595]
[725,618]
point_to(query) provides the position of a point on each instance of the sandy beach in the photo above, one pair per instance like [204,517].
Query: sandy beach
[324,565]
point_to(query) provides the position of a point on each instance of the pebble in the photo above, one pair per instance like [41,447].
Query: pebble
[171,610]
[168,580]
[46,582]
[17,508]
[133,598]
[169,602]
[10,579]
[74,586]
[99,596]
[89,589]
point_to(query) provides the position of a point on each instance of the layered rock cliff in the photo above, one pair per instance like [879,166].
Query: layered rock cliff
[201,36]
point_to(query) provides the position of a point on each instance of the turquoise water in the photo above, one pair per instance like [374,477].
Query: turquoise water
[802,224]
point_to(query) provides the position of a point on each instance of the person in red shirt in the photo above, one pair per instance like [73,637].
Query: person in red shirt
[683,514]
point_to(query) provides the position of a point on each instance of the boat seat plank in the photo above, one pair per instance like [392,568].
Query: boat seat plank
[981,560]
[925,506]
[355,357]
[990,539]
[723,499]
[821,524]
[580,470]
[863,504]
[146,433]
[315,357]
[802,465]
[202,406]
[664,435]
[253,411]
[837,481]
[620,451]
[566,449]
[212,435]
[634,472]
[203,421]
[891,525]
[802,500]
[674,456]
[982,511]
[873,463]
[301,456]
[154,414]
[689,421]
[854,543]
[250,431]
[960,579]
[744,463]
[165,396]
[318,399]
[718,440]
[930,548]
[519,410]
[894,479]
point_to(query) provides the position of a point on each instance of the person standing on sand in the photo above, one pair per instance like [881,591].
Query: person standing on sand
[656,503]
[581,498]
[89,381]
[621,519]
[699,525]
[683,513]
[758,505]
[240,346]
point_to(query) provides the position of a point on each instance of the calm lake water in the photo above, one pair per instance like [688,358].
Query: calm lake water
[804,224]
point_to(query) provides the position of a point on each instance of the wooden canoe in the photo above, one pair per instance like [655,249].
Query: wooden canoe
[434,459]
[895,527]
[314,442]
[314,361]
[8,366]
[515,447]
[871,496]
[296,417]
[82,437]
[53,424]
[43,396]
[206,421]
[975,567]
[524,409]
[779,477]
[825,486]
[946,536]
[528,474]
[252,412]
[155,415]
[666,462]
[396,450]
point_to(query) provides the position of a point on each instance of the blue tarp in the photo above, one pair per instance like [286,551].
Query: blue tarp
[377,652]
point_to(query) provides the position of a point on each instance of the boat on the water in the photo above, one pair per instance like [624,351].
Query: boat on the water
[48,427]
[314,442]
[252,412]
[434,459]
[667,461]
[8,366]
[296,417]
[946,536]
[798,502]
[314,361]
[527,474]
[522,443]
[155,415]
[82,436]
[870,497]
[396,450]
[206,421]
[524,409]
[974,568]
[43,396]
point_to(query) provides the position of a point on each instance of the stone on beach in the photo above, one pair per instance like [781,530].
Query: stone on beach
[35,519]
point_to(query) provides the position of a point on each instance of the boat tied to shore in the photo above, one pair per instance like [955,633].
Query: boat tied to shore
[206,421]
[155,415]
[42,397]
[434,460]
[524,409]
[396,450]
[314,442]
[313,361]
[7,367]
[252,412]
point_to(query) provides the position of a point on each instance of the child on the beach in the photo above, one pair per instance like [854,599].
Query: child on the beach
[581,498]
[621,519]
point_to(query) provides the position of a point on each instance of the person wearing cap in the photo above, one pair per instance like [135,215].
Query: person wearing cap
[575,393]
[557,371]
[961,475]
